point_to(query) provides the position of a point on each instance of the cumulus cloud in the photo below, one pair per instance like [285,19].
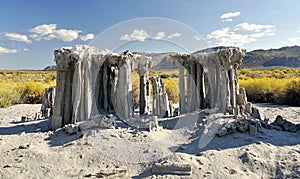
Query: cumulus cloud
[87,37]
[137,34]
[44,29]
[253,27]
[17,37]
[64,35]
[230,37]
[6,50]
[159,35]
[36,37]
[50,31]
[219,33]
[227,20]
[174,35]
[141,35]
[25,49]
[230,15]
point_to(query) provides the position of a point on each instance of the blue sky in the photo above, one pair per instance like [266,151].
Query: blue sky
[31,30]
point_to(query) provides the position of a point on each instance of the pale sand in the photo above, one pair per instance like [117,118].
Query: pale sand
[28,150]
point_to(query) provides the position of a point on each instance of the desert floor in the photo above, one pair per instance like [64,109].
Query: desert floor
[30,150]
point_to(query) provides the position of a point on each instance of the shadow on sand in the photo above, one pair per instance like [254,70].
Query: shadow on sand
[27,127]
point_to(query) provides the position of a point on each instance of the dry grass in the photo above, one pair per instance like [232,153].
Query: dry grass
[272,86]
[24,86]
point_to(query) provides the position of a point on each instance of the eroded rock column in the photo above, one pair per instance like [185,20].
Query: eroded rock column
[144,63]
[160,98]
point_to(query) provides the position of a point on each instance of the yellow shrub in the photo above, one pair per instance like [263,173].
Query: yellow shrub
[172,89]
[24,86]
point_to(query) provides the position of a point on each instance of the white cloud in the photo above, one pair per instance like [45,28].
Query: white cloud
[174,35]
[36,37]
[219,33]
[50,31]
[25,49]
[298,31]
[227,20]
[17,37]
[230,15]
[159,35]
[228,37]
[87,37]
[125,37]
[44,29]
[139,35]
[64,35]
[6,50]
[254,27]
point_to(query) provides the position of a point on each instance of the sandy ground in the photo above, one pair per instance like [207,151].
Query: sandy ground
[30,150]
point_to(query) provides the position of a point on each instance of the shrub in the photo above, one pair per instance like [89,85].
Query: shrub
[172,89]
[9,95]
[24,86]
[292,95]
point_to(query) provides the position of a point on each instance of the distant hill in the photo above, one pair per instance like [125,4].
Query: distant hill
[160,60]
[285,56]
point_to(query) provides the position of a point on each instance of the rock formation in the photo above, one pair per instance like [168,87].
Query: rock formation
[211,80]
[92,83]
[47,106]
[160,100]
[48,102]
[144,63]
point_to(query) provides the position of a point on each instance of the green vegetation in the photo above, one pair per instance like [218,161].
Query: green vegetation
[170,77]
[24,86]
[271,86]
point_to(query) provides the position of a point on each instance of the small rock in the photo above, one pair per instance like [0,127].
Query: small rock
[279,121]
[25,146]
[199,154]
[245,157]
[222,132]
[253,128]
[232,171]
[231,128]
[200,162]
[6,166]
[71,129]
[24,119]
[209,172]
[88,175]
[114,135]
[242,125]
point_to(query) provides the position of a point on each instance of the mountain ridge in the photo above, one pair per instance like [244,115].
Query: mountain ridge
[288,56]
